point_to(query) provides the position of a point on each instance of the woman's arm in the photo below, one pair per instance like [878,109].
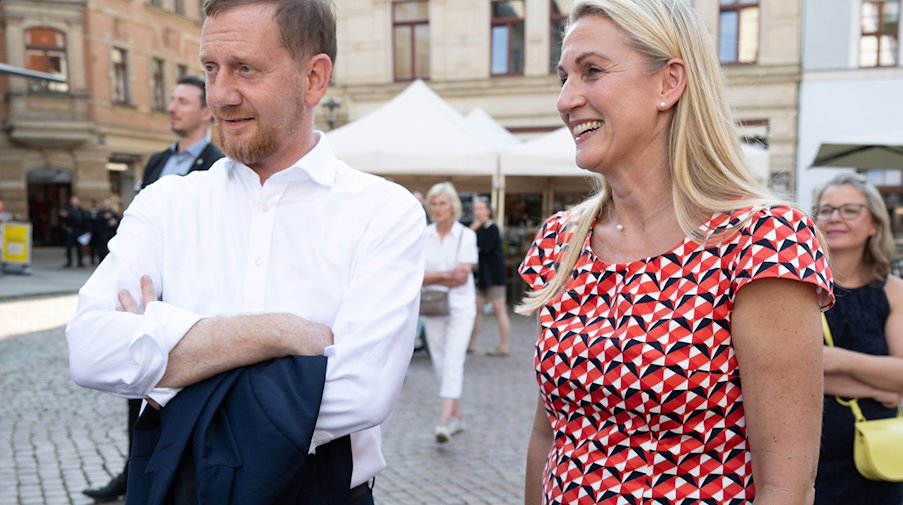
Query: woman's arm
[848,387]
[878,372]
[537,454]
[776,331]
[451,279]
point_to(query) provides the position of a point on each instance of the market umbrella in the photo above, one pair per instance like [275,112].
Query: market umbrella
[875,150]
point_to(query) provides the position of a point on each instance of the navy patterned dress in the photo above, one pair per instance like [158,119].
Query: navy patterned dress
[857,323]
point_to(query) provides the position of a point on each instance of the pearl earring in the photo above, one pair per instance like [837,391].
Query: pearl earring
[662,104]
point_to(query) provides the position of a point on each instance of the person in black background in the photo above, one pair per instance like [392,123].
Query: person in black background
[491,277]
[75,223]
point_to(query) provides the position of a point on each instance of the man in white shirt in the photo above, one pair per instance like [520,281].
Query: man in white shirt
[279,249]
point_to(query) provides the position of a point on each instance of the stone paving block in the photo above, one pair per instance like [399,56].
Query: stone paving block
[62,438]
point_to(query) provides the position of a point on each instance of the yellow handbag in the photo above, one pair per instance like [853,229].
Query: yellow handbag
[878,444]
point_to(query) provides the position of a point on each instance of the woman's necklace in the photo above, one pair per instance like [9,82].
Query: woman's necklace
[620,227]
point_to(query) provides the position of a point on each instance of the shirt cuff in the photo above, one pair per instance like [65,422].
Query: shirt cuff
[163,395]
[162,327]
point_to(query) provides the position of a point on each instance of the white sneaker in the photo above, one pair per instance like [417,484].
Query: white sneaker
[455,425]
[443,434]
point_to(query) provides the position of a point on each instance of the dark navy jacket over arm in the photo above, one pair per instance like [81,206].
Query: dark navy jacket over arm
[250,431]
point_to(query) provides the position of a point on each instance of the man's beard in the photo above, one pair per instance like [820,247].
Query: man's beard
[261,145]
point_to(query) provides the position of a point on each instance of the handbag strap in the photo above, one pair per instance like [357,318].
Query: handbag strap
[852,403]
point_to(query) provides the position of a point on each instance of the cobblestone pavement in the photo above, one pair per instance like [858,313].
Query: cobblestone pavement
[57,439]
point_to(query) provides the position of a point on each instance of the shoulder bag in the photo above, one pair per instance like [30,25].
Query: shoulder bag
[434,302]
[877,443]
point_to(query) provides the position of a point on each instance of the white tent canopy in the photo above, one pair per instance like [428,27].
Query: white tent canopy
[550,155]
[485,128]
[553,155]
[416,132]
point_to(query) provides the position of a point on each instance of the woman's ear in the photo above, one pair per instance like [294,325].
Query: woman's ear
[673,83]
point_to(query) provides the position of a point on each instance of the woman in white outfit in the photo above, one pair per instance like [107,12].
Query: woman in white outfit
[451,252]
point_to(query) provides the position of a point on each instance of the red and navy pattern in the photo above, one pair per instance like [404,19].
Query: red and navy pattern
[636,367]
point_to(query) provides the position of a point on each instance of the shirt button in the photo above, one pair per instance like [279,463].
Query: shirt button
[258,261]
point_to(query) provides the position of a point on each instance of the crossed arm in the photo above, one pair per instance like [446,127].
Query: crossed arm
[859,375]
[218,344]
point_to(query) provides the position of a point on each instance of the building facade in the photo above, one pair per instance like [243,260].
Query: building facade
[91,135]
[500,55]
[851,91]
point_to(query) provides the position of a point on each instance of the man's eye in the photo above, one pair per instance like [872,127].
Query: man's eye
[245,69]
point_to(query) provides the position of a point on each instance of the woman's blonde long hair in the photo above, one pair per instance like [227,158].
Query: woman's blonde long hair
[880,249]
[707,169]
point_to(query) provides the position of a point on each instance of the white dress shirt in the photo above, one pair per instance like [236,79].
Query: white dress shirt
[444,255]
[320,240]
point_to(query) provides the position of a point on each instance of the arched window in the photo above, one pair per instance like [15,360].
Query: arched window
[45,51]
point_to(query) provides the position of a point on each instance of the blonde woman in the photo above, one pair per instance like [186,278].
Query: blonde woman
[679,356]
[451,252]
[867,327]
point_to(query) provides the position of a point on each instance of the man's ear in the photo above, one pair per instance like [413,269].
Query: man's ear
[206,114]
[318,74]
[673,81]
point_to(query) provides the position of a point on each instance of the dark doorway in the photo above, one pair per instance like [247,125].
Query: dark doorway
[49,190]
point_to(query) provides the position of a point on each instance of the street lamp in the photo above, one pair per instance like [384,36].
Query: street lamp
[331,106]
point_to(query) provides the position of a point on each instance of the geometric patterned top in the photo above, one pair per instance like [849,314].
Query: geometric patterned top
[635,363]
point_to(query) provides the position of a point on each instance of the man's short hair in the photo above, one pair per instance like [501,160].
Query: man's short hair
[308,27]
[198,83]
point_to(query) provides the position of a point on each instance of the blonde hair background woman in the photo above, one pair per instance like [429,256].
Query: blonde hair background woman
[867,327]
[450,249]
[681,278]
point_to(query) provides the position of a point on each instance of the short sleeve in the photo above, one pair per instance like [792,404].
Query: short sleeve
[781,243]
[541,262]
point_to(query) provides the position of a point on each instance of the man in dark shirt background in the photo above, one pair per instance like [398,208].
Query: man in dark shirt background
[189,118]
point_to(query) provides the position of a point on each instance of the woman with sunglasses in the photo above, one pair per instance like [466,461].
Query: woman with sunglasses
[867,328]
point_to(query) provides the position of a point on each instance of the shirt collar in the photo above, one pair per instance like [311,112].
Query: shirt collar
[194,150]
[318,165]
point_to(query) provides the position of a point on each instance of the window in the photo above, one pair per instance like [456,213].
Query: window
[159,84]
[181,71]
[45,51]
[739,40]
[178,6]
[155,3]
[507,57]
[880,33]
[411,31]
[558,16]
[119,59]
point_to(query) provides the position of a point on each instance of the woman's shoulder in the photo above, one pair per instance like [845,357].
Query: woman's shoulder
[893,286]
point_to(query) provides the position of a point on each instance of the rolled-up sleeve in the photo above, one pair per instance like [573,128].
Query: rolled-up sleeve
[375,325]
[119,352]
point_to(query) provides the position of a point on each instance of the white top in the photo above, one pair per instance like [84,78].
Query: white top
[319,240]
[444,255]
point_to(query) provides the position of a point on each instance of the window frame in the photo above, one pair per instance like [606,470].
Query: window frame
[879,33]
[556,21]
[158,79]
[46,51]
[120,71]
[411,26]
[508,22]
[739,6]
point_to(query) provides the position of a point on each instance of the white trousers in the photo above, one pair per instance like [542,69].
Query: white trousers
[447,338]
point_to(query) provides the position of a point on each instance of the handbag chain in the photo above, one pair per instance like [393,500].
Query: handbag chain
[852,403]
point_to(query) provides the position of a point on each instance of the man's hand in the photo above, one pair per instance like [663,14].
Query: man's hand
[148,295]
